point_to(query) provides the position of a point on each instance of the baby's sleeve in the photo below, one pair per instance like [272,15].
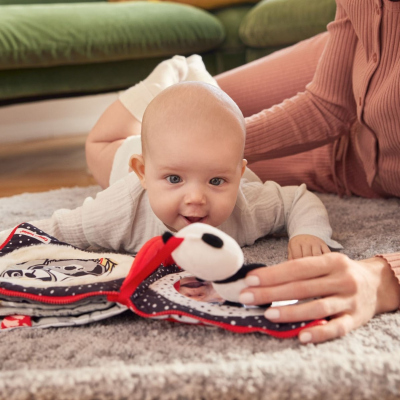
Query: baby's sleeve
[272,209]
[66,226]
[101,222]
[305,214]
[107,220]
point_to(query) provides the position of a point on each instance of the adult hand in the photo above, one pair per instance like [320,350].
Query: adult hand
[305,246]
[349,292]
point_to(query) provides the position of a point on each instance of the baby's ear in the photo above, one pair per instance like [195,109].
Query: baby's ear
[137,164]
[244,163]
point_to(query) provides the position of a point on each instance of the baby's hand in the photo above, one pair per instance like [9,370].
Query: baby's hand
[305,246]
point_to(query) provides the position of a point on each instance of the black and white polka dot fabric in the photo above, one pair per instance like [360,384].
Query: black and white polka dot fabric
[25,235]
[157,297]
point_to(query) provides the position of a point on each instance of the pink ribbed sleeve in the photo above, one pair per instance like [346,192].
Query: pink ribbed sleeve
[317,116]
[394,262]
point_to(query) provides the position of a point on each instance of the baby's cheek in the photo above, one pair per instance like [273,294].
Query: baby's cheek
[161,206]
[225,208]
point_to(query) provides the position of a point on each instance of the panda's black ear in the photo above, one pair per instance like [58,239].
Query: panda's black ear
[212,240]
[166,236]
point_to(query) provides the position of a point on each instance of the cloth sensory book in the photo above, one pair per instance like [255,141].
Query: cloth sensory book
[48,283]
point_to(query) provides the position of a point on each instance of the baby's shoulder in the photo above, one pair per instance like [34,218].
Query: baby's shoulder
[250,176]
[132,184]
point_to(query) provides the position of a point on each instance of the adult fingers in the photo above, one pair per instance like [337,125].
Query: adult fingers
[306,289]
[295,270]
[335,328]
[314,309]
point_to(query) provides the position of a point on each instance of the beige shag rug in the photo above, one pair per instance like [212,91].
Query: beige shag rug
[127,357]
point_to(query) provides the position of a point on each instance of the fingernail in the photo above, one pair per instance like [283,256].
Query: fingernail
[305,337]
[246,298]
[252,280]
[272,313]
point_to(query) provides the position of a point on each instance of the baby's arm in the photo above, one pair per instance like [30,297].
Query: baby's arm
[102,222]
[306,246]
[65,225]
[307,223]
[292,210]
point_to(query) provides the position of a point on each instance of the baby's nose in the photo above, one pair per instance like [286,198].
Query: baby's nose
[195,196]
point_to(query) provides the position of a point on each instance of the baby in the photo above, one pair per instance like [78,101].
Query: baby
[191,169]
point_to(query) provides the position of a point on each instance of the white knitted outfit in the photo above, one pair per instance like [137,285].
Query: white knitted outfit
[120,218]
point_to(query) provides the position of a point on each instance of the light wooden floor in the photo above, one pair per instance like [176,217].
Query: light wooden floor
[43,165]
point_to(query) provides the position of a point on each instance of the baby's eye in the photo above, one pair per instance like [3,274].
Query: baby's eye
[216,181]
[174,179]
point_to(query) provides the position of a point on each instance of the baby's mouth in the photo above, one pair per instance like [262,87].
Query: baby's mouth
[192,220]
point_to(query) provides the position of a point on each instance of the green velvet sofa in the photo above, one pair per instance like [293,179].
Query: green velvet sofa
[60,48]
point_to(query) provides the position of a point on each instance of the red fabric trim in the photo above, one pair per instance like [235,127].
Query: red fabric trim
[149,258]
[237,329]
[14,321]
[55,299]
[10,236]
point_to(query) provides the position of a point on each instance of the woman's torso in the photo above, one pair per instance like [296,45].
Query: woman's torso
[376,88]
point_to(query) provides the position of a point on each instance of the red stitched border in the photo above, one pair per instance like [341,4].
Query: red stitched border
[56,300]
[237,329]
[10,236]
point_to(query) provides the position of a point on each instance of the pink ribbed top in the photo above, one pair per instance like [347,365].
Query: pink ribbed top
[357,79]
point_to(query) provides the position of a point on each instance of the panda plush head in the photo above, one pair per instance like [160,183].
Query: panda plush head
[207,252]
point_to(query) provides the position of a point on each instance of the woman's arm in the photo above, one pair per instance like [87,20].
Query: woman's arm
[325,111]
[347,292]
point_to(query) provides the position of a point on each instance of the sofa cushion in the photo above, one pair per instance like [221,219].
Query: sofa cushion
[283,22]
[28,84]
[206,4]
[231,19]
[66,34]
[231,53]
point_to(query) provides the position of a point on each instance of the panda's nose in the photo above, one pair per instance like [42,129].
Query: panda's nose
[212,240]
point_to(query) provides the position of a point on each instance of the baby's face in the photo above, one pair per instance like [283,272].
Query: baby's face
[193,139]
[193,178]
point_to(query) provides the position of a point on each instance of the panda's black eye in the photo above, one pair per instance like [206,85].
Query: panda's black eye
[174,179]
[212,240]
